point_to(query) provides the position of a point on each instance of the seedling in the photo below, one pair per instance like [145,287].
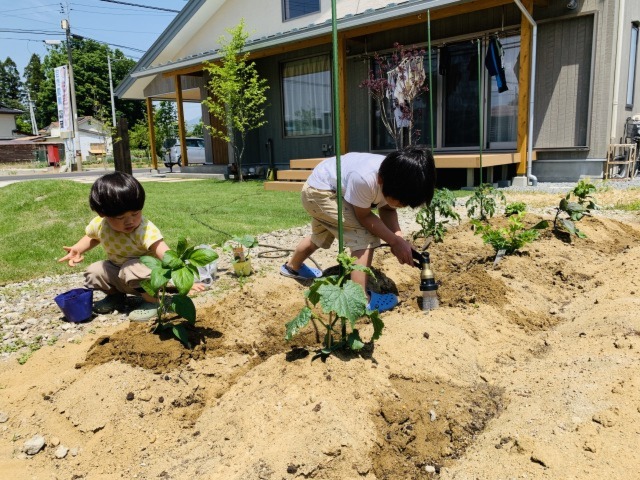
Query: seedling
[513,237]
[240,259]
[484,202]
[342,302]
[180,266]
[514,208]
[442,206]
[574,211]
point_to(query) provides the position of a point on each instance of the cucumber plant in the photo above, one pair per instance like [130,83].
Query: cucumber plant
[342,302]
[442,206]
[180,266]
[569,212]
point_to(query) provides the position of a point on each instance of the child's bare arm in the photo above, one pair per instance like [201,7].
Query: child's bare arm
[158,249]
[374,224]
[75,253]
[389,217]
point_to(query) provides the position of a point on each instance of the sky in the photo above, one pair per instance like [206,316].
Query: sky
[27,23]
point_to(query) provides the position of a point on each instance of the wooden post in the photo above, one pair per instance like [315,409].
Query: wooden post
[121,152]
[526,32]
[152,134]
[181,132]
[342,82]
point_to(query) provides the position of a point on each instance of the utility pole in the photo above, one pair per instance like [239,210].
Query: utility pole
[74,113]
[113,104]
[34,127]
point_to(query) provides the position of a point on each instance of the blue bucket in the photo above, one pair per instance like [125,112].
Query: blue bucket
[76,304]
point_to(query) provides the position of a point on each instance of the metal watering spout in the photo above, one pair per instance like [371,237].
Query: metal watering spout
[428,285]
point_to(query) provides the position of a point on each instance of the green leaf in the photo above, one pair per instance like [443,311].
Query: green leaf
[184,307]
[202,257]
[354,341]
[181,334]
[151,262]
[183,280]
[171,260]
[146,284]
[348,301]
[298,323]
[159,278]
[568,225]
[182,246]
[378,324]
[541,225]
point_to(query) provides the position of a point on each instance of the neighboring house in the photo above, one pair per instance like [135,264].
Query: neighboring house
[8,125]
[584,89]
[95,138]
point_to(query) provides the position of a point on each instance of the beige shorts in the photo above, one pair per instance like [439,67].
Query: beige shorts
[322,205]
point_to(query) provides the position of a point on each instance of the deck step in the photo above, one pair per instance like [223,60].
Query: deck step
[300,175]
[305,163]
[283,186]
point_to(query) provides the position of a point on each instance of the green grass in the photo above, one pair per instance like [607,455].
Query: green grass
[629,207]
[39,217]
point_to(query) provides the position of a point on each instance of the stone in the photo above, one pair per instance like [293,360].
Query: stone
[33,445]
[3,417]
[61,452]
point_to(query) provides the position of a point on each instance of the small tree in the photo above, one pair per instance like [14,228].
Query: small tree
[236,94]
[394,83]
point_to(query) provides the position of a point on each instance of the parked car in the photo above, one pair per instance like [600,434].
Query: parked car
[195,152]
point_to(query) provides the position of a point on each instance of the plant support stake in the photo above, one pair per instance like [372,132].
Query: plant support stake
[336,122]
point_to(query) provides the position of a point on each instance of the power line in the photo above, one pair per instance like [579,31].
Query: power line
[141,6]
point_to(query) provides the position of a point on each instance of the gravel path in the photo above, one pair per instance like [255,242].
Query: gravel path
[29,318]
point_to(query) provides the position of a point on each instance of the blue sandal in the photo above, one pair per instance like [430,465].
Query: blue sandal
[304,273]
[382,301]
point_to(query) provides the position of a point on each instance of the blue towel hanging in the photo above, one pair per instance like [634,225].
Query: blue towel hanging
[494,63]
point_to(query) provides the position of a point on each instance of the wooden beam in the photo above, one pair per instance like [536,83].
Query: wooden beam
[181,132]
[184,71]
[152,134]
[524,85]
[342,91]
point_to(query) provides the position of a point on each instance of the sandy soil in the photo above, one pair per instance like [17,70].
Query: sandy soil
[529,369]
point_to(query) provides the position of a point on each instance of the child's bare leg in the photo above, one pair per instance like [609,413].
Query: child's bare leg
[303,251]
[364,258]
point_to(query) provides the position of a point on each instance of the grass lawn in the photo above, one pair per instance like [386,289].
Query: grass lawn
[39,217]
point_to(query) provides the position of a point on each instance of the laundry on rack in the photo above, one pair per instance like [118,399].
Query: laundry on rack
[494,63]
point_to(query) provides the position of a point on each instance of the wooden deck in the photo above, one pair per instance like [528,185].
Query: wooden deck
[292,180]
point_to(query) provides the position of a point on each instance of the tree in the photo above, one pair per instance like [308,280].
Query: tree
[166,123]
[236,94]
[197,130]
[394,83]
[10,84]
[91,77]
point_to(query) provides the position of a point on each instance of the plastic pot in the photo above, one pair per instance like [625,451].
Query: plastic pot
[76,304]
[242,269]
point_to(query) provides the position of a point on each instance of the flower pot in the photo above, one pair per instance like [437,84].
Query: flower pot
[76,304]
[242,269]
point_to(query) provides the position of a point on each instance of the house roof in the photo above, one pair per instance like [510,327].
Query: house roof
[10,111]
[164,54]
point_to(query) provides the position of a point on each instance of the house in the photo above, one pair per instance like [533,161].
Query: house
[95,138]
[8,125]
[569,68]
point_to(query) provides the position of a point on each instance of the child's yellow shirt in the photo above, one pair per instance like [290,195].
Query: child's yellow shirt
[119,246]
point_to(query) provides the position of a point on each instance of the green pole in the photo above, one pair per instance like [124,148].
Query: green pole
[480,122]
[430,80]
[336,123]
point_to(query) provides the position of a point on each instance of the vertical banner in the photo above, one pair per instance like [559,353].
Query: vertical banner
[63,99]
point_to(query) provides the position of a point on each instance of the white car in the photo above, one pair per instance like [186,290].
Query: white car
[195,152]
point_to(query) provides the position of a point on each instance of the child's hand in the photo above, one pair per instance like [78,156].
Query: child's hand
[402,250]
[198,287]
[73,256]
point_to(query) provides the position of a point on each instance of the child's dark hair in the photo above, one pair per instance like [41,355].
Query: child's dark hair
[116,193]
[409,176]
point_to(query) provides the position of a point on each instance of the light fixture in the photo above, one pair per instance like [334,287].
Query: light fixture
[572,5]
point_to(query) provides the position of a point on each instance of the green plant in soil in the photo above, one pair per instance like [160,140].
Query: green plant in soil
[180,266]
[342,303]
[513,237]
[514,208]
[569,212]
[237,244]
[484,202]
[441,206]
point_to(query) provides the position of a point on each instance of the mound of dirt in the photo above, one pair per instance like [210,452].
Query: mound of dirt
[529,369]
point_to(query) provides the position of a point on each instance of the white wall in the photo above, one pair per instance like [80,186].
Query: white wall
[7,125]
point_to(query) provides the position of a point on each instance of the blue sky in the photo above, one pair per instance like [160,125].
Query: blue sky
[100,20]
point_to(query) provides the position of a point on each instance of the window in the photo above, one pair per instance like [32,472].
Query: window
[298,8]
[306,92]
[503,107]
[633,53]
